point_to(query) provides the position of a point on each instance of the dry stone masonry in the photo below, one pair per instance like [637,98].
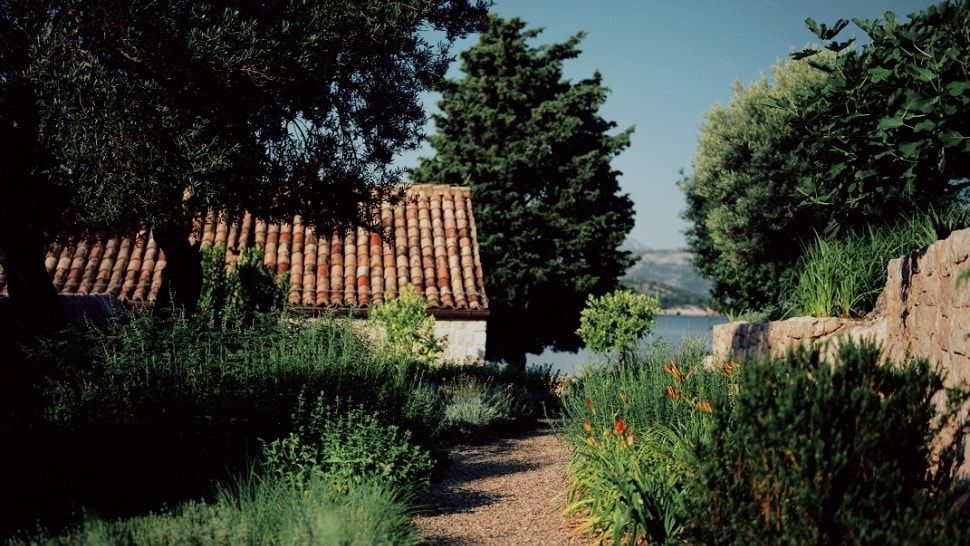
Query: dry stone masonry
[922,312]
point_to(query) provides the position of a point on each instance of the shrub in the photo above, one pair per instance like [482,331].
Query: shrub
[168,392]
[633,429]
[843,276]
[408,328]
[475,405]
[240,293]
[615,322]
[348,449]
[531,392]
[815,453]
[170,363]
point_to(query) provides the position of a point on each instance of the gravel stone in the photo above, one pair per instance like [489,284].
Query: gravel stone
[510,491]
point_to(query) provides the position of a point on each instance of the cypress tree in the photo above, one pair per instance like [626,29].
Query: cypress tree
[537,156]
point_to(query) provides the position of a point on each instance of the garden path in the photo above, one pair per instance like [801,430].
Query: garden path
[510,491]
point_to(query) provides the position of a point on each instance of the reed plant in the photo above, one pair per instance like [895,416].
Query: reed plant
[843,275]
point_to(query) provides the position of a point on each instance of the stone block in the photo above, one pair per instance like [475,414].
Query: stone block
[957,248]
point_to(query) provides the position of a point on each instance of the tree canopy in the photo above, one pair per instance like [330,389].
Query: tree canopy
[119,114]
[891,125]
[537,156]
[843,137]
[743,201]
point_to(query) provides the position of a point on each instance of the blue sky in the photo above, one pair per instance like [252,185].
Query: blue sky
[667,62]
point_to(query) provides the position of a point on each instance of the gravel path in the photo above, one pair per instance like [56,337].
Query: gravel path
[507,492]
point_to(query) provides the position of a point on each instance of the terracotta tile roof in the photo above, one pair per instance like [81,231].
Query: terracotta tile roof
[433,246]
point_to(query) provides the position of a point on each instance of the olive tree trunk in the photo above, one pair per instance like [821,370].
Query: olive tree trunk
[183,270]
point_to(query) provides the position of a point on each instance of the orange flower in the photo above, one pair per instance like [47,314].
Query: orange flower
[705,406]
[673,370]
[587,426]
[589,405]
[619,426]
[671,392]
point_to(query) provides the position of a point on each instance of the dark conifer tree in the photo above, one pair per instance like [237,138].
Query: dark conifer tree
[537,156]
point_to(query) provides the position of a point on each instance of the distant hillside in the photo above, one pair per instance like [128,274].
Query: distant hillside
[669,274]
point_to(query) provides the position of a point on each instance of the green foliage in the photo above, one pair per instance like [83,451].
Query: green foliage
[167,391]
[474,405]
[629,485]
[820,453]
[891,124]
[844,276]
[742,196]
[262,510]
[843,138]
[408,327]
[348,448]
[172,364]
[155,122]
[616,322]
[633,429]
[537,156]
[239,294]
[498,389]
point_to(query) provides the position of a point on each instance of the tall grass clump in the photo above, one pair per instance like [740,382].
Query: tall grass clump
[843,276]
[475,405]
[502,391]
[817,452]
[633,428]
[262,510]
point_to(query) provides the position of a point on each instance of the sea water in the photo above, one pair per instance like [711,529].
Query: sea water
[670,328]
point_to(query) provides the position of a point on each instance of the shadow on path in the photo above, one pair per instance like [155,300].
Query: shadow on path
[506,492]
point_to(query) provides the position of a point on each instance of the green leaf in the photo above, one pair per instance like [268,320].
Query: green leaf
[890,123]
[955,89]
[925,125]
[923,73]
[951,138]
[879,74]
[910,149]
[812,25]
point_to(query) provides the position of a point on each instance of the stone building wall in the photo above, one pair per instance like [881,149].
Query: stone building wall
[466,340]
[921,312]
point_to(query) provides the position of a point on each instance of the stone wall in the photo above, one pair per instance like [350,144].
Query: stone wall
[926,313]
[740,340]
[921,312]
